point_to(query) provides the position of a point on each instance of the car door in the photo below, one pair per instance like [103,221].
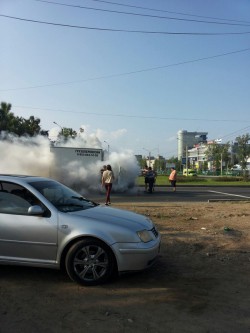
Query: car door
[25,238]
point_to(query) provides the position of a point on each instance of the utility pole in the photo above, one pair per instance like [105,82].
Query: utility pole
[186,160]
[221,163]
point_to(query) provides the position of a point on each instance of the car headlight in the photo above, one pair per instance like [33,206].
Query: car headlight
[145,236]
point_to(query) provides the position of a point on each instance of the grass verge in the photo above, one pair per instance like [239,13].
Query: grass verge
[200,180]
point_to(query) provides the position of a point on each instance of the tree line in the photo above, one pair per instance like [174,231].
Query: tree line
[20,126]
[9,123]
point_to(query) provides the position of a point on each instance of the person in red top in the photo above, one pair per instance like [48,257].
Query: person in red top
[173,178]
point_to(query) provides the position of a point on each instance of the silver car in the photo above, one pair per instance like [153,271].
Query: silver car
[46,224]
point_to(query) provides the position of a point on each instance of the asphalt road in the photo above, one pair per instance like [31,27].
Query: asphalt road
[183,194]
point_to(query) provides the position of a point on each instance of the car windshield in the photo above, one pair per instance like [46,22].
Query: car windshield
[62,197]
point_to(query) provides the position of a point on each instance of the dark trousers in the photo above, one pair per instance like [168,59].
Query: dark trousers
[173,183]
[150,184]
[108,187]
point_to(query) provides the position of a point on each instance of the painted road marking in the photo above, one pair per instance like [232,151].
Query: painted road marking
[229,194]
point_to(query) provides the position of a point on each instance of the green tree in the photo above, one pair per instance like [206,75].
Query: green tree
[160,164]
[32,126]
[22,126]
[68,133]
[143,163]
[218,153]
[17,125]
[6,117]
[243,150]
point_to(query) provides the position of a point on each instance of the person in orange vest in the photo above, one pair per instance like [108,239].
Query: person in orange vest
[172,178]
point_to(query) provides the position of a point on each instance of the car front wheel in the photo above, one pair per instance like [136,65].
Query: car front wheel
[90,262]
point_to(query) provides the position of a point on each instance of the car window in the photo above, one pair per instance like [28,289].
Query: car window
[15,199]
[62,197]
[13,204]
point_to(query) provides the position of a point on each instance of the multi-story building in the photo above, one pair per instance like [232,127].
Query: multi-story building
[187,140]
[197,156]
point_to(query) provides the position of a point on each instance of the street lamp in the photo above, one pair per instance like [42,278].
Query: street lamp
[59,126]
[187,160]
[108,145]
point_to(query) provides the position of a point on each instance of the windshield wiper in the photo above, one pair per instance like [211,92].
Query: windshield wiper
[83,199]
[78,198]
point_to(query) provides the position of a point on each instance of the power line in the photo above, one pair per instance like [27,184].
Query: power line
[165,11]
[126,30]
[228,135]
[133,116]
[131,72]
[142,15]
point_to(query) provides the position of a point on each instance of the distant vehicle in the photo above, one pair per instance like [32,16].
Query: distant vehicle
[46,224]
[237,167]
[191,172]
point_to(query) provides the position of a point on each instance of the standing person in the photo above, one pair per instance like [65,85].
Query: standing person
[173,178]
[151,179]
[102,170]
[155,176]
[107,181]
[145,172]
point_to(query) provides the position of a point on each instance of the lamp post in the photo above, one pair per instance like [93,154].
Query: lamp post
[59,126]
[187,160]
[108,146]
[221,164]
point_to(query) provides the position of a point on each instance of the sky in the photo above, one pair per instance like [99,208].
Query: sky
[133,73]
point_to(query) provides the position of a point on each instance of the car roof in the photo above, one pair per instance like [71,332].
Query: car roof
[14,175]
[24,178]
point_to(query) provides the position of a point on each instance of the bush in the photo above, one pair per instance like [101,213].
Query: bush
[190,179]
[229,179]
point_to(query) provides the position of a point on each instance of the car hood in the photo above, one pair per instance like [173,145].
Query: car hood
[116,216]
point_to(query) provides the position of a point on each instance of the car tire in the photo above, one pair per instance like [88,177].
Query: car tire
[90,262]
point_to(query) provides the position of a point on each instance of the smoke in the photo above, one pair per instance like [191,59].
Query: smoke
[32,156]
[25,155]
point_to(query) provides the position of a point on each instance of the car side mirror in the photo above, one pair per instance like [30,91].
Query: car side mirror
[35,210]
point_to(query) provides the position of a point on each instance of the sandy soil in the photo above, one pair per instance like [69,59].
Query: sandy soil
[199,284]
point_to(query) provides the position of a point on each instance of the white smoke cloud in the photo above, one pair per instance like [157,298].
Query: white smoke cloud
[119,133]
[27,156]
[110,135]
[32,156]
